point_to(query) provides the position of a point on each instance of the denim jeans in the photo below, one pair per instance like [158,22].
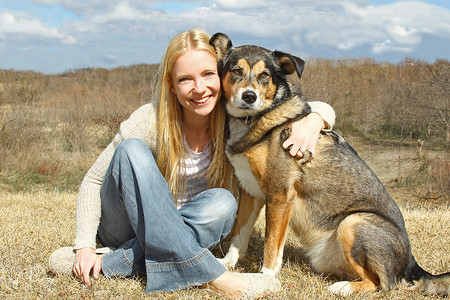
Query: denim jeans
[139,217]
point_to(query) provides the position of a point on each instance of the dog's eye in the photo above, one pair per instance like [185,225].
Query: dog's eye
[237,71]
[263,75]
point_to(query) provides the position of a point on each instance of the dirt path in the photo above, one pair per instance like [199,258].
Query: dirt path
[393,164]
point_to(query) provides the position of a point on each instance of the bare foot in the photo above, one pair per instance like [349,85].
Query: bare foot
[245,285]
[231,285]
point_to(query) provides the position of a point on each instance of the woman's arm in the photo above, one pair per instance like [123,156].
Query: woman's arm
[305,132]
[141,124]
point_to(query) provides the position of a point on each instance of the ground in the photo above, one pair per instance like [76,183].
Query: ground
[33,224]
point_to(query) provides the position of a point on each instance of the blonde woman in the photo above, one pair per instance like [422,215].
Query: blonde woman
[160,196]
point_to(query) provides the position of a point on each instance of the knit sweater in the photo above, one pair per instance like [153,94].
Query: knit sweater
[142,125]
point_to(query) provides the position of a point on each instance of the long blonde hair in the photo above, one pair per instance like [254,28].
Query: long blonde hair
[171,149]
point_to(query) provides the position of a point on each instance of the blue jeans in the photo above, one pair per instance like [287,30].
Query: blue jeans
[139,217]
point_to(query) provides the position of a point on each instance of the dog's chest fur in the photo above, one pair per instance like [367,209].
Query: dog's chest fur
[240,162]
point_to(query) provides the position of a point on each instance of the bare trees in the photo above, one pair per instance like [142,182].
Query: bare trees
[406,101]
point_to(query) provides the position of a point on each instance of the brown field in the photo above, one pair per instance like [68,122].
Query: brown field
[52,128]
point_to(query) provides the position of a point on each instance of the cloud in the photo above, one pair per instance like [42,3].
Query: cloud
[239,4]
[343,25]
[22,28]
[122,11]
[398,26]
[404,35]
[387,46]
[138,31]
[82,8]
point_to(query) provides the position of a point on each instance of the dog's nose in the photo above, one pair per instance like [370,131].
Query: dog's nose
[249,96]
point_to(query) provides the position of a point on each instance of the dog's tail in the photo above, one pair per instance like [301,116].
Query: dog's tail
[427,282]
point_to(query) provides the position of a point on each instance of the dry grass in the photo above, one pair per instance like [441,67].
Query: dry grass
[52,127]
[33,224]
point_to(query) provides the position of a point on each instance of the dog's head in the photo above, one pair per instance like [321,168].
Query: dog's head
[253,78]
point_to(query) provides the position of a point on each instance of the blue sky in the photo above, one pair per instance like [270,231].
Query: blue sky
[53,36]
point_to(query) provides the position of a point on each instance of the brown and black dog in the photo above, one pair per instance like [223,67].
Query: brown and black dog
[346,221]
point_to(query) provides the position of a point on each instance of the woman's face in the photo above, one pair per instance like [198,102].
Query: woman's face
[196,83]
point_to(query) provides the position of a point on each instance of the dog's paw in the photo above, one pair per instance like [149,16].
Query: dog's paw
[228,263]
[221,260]
[343,288]
[269,272]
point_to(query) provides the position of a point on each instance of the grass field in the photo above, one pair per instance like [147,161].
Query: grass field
[33,224]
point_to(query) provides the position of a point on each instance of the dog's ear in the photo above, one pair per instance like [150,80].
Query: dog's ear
[290,63]
[221,43]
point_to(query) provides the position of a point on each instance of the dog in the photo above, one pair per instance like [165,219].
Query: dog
[347,223]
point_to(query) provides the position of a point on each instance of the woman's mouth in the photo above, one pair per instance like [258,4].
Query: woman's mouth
[201,100]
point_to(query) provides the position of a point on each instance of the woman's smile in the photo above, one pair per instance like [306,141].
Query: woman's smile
[201,100]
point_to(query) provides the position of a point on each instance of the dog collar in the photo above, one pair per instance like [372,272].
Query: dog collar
[247,120]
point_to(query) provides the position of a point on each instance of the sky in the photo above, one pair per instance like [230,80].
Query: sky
[54,36]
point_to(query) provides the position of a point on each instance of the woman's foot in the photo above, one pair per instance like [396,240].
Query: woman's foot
[61,261]
[245,285]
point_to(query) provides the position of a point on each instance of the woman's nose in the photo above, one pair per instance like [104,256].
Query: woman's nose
[199,86]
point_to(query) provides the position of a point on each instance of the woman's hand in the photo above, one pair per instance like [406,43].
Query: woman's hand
[86,261]
[305,135]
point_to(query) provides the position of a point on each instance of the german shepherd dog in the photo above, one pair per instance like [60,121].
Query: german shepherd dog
[345,219]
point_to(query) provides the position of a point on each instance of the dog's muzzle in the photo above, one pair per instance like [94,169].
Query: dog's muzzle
[249,96]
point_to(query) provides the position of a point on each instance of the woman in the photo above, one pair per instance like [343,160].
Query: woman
[167,196]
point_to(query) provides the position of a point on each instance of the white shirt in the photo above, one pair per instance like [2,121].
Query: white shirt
[196,165]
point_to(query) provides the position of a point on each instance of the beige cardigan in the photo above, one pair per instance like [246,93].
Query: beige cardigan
[141,124]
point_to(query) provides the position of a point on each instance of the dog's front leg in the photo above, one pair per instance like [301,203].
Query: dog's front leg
[278,213]
[248,212]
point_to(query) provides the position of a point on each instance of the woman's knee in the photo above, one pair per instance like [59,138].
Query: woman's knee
[134,150]
[223,204]
[229,202]
[131,145]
